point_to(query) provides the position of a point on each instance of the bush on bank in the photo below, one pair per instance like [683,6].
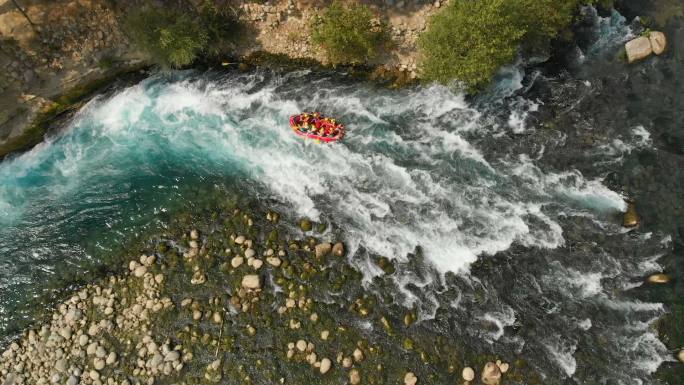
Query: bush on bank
[348,33]
[175,37]
[468,41]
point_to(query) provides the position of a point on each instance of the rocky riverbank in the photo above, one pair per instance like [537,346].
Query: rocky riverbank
[233,298]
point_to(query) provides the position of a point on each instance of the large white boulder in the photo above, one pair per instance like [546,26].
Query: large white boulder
[638,49]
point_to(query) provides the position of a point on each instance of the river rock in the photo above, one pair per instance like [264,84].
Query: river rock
[251,282]
[98,363]
[61,366]
[638,49]
[491,374]
[503,366]
[410,379]
[273,261]
[358,355]
[94,375]
[240,239]
[72,380]
[140,271]
[468,373]
[354,377]
[172,356]
[659,278]
[236,262]
[100,352]
[111,358]
[325,365]
[680,355]
[257,263]
[338,249]
[630,219]
[323,249]
[249,253]
[658,42]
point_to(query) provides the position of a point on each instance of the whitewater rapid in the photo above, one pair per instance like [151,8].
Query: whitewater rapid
[403,178]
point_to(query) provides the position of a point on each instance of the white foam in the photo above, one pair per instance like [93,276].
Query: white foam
[585,324]
[642,135]
[563,353]
[501,319]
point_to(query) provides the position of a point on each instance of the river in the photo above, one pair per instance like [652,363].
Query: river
[503,212]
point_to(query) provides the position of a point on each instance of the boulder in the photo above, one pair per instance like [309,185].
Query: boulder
[338,250]
[139,271]
[325,365]
[354,377]
[251,282]
[323,249]
[659,278]
[410,379]
[630,219]
[468,374]
[638,49]
[658,42]
[491,374]
[236,261]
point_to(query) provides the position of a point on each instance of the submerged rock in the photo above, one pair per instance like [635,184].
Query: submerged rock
[637,49]
[630,219]
[305,225]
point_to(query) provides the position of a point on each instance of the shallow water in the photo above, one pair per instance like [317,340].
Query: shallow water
[506,235]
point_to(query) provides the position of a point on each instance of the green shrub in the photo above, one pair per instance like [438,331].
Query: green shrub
[220,23]
[172,38]
[347,33]
[468,41]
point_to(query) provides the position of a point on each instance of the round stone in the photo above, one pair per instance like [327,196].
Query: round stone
[468,373]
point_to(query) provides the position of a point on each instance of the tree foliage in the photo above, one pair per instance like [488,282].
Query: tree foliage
[348,33]
[175,37]
[468,41]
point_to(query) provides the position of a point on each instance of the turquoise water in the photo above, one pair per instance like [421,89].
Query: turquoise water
[509,239]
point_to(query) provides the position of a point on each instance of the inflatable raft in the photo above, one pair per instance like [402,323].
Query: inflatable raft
[317,127]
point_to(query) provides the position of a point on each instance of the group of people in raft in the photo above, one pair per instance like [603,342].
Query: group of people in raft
[313,123]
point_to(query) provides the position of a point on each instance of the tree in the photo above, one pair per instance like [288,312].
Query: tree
[347,33]
[172,38]
[468,41]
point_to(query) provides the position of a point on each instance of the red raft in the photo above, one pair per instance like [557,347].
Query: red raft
[315,126]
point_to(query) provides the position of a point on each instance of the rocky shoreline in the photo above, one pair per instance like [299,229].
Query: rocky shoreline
[225,300]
